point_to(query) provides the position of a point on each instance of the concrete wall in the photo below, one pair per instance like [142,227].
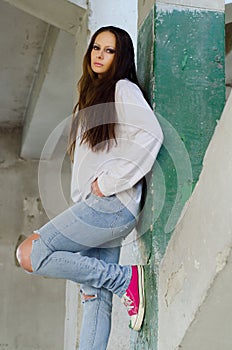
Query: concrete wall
[31,308]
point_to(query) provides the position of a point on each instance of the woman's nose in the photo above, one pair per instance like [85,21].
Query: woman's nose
[100,54]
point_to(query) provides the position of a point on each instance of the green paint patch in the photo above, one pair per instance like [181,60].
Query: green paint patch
[181,66]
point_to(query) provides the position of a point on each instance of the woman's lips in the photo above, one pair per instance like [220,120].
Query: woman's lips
[97,64]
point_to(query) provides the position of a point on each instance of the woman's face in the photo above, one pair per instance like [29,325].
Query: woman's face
[103,53]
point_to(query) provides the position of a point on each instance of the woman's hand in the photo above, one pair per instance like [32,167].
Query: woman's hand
[96,190]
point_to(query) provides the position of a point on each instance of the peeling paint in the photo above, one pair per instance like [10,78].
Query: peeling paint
[168,8]
[222,259]
[184,62]
[174,285]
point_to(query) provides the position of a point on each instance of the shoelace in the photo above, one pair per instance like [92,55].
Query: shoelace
[128,302]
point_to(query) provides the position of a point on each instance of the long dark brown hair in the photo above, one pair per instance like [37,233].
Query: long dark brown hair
[98,125]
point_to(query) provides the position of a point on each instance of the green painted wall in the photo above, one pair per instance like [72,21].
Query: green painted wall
[181,65]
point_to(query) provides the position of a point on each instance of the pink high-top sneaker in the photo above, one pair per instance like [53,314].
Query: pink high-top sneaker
[134,298]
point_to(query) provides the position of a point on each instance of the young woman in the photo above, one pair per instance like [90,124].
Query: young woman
[114,141]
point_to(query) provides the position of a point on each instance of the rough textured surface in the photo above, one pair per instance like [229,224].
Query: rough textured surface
[22,45]
[202,4]
[59,13]
[189,94]
[208,331]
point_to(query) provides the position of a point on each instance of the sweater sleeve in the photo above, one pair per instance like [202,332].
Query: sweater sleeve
[138,142]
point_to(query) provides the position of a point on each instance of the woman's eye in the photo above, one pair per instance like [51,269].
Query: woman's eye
[110,50]
[107,50]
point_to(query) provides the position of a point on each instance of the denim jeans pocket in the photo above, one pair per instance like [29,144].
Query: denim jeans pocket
[107,204]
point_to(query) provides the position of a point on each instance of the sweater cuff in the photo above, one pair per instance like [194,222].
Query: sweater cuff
[104,190]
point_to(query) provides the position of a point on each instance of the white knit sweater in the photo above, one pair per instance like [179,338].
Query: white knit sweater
[119,170]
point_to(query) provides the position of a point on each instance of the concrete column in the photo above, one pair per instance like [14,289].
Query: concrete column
[195,275]
[181,64]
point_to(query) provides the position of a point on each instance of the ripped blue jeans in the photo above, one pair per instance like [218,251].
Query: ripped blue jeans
[82,244]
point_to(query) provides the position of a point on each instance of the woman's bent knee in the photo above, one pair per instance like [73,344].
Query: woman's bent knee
[24,252]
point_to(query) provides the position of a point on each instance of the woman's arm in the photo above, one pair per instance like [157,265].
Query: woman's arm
[138,143]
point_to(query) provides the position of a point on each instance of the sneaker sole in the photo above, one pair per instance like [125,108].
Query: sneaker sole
[141,311]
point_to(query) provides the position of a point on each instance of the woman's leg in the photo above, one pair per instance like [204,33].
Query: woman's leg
[99,222]
[23,252]
[51,261]
[96,322]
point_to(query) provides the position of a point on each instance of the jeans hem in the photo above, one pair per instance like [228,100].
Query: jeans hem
[127,282]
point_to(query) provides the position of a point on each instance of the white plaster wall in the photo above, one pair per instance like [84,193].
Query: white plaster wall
[119,13]
[201,243]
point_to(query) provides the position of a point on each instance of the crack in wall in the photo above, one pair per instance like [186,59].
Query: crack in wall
[174,284]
